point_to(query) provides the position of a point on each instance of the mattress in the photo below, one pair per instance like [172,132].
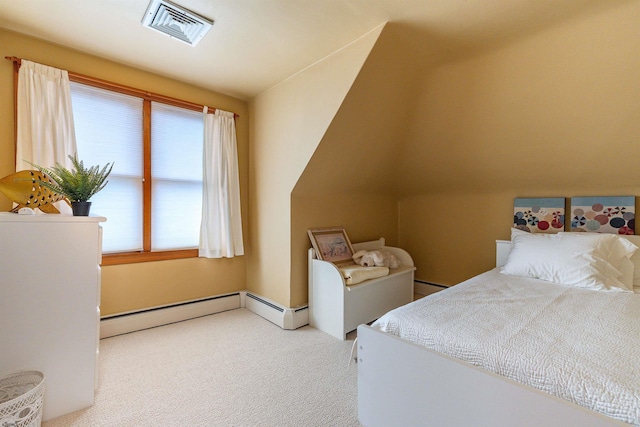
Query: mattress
[580,345]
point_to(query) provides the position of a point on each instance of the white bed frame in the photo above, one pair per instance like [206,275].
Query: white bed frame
[403,384]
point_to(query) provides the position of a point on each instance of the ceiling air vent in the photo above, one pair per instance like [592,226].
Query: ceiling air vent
[176,21]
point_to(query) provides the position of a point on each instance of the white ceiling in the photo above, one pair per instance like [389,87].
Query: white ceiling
[255,44]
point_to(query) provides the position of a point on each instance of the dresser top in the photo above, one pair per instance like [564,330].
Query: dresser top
[14,217]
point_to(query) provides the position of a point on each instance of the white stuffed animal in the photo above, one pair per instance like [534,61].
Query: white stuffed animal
[377,258]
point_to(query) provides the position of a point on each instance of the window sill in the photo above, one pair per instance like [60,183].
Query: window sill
[135,257]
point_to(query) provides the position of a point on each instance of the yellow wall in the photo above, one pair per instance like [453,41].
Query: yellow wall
[129,287]
[288,122]
[364,217]
[554,115]
[134,286]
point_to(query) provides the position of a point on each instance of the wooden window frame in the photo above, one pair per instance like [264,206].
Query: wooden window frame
[146,255]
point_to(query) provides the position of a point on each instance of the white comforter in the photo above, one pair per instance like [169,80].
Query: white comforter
[580,345]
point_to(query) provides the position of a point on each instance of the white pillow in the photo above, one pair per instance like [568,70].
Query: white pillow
[627,269]
[635,260]
[585,260]
[625,256]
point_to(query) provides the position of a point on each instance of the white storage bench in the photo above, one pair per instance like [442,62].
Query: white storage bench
[337,309]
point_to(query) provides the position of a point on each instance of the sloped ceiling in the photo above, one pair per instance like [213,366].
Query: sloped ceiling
[527,115]
[363,144]
[255,44]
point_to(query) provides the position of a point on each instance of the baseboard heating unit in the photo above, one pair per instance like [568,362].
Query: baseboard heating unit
[164,315]
[286,318]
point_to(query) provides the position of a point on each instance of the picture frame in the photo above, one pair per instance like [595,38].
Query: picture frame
[604,214]
[331,244]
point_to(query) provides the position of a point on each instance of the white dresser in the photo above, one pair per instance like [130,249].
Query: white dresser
[50,304]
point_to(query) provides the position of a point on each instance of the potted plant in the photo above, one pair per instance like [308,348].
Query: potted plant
[78,185]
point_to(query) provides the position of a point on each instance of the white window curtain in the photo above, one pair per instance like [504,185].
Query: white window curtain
[221,227]
[45,134]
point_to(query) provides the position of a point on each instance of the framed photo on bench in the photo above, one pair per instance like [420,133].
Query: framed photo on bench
[331,244]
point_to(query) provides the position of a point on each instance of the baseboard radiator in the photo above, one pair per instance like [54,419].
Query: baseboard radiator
[286,318]
[423,287]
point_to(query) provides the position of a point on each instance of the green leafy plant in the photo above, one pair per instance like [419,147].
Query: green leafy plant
[78,184]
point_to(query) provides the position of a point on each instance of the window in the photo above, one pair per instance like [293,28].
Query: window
[153,199]
[176,177]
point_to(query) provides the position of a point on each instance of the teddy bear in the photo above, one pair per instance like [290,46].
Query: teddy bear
[377,258]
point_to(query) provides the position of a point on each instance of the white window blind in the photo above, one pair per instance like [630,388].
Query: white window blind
[109,129]
[176,170]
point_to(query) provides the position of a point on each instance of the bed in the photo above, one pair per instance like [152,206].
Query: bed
[507,348]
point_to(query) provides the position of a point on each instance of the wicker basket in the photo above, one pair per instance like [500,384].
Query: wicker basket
[21,399]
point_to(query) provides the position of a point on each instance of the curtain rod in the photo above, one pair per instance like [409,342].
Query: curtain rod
[81,78]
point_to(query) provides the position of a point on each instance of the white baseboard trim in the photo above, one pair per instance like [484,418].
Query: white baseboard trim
[424,288]
[284,317]
[164,315]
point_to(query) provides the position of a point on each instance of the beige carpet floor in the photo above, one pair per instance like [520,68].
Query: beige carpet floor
[228,369]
